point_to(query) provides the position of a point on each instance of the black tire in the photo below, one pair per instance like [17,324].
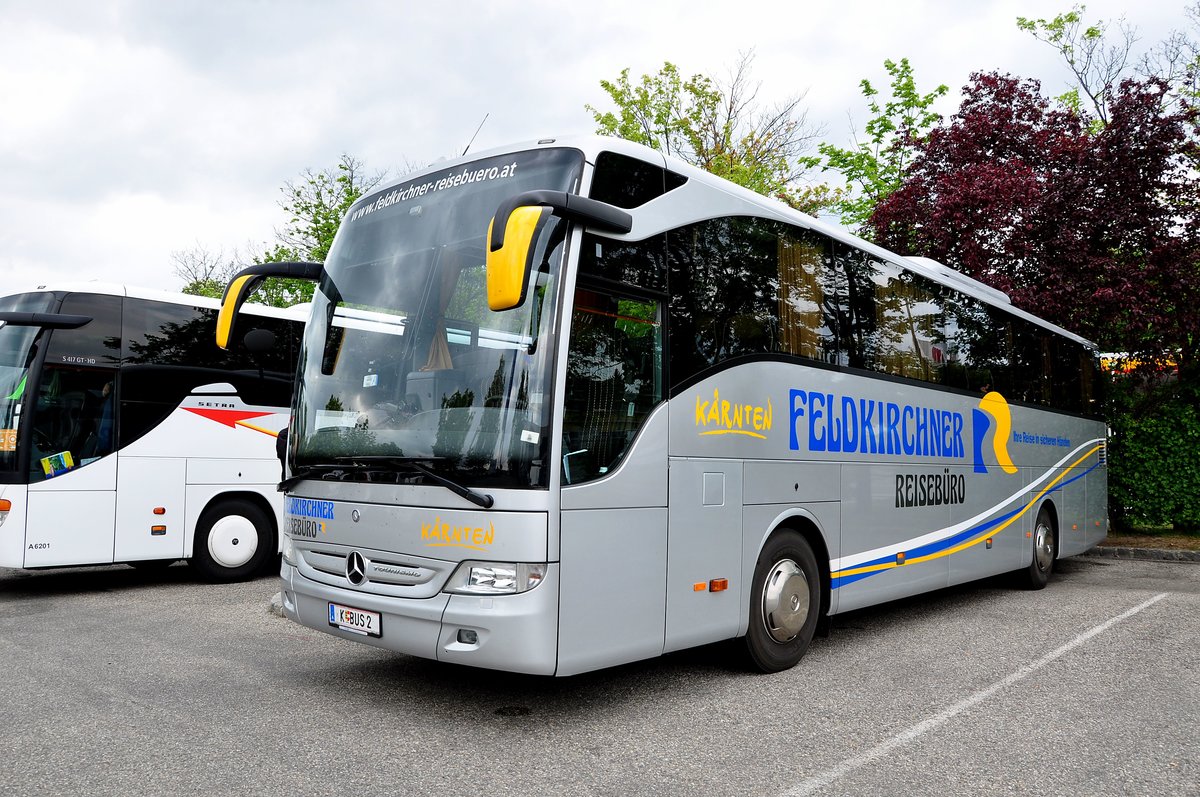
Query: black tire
[785,603]
[234,541]
[1045,552]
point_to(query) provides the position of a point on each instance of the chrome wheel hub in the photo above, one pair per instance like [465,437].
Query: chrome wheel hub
[1043,546]
[785,601]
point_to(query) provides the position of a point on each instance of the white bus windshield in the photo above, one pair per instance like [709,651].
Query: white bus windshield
[16,356]
[404,363]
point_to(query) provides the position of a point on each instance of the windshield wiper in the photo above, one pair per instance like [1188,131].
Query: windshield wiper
[315,472]
[414,463]
[296,478]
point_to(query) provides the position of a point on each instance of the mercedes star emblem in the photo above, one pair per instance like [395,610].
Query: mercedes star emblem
[356,568]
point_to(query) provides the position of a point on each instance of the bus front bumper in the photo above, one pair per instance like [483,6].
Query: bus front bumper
[516,633]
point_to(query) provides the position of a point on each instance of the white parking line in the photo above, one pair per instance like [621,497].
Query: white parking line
[820,780]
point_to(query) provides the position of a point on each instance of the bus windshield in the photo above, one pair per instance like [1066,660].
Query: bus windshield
[404,367]
[17,351]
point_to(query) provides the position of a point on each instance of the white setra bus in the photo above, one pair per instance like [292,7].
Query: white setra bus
[571,404]
[127,435]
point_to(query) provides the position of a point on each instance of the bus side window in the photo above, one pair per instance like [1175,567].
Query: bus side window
[66,429]
[71,395]
[614,380]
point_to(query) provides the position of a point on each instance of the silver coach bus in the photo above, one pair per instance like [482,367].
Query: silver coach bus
[571,404]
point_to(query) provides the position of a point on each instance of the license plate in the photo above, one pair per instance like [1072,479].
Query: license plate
[356,621]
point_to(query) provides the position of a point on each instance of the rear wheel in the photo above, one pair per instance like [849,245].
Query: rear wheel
[233,541]
[1045,551]
[785,603]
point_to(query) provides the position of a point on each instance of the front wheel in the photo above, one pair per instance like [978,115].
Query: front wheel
[785,603]
[233,541]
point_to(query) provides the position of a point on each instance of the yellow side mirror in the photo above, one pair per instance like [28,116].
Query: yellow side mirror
[244,283]
[521,217]
[235,295]
[508,267]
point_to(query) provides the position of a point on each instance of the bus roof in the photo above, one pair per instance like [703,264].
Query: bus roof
[718,197]
[299,312]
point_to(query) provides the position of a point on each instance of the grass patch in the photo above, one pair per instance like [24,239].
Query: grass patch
[1163,537]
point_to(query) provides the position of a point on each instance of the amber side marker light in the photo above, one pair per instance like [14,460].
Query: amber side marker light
[158,531]
[5,505]
[718,585]
[699,586]
[160,510]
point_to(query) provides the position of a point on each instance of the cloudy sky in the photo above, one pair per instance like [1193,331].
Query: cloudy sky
[132,129]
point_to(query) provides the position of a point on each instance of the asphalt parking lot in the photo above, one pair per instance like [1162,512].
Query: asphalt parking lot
[126,682]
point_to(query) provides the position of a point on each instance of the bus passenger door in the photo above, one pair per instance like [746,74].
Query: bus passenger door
[70,517]
[613,533]
[73,474]
[704,551]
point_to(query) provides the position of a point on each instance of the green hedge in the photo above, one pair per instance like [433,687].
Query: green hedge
[1153,448]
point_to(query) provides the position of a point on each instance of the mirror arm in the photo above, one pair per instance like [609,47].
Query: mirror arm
[571,207]
[43,320]
[244,282]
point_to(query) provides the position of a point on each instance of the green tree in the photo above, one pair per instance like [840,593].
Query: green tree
[203,271]
[1096,62]
[719,126]
[315,204]
[1101,54]
[876,167]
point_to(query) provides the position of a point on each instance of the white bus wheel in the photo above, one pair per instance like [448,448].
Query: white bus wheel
[233,541]
[785,603]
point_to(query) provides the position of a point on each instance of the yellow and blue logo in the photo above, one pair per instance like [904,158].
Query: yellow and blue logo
[992,406]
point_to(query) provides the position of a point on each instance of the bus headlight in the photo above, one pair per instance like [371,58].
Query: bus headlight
[289,550]
[495,578]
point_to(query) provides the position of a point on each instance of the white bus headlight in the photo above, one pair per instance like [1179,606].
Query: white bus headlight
[289,550]
[495,578]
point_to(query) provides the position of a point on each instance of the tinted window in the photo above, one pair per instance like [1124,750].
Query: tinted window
[742,286]
[628,183]
[18,348]
[807,295]
[73,407]
[170,349]
[909,325]
[169,334]
[96,343]
[641,263]
[614,379]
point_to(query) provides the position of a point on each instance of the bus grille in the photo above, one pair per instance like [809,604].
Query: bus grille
[386,575]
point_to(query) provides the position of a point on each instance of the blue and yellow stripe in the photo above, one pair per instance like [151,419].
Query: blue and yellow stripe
[957,540]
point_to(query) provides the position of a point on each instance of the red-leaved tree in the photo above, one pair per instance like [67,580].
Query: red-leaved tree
[1098,231]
